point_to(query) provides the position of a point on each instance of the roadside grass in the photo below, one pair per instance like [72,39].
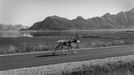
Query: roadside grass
[123,65]
[46,41]
[18,45]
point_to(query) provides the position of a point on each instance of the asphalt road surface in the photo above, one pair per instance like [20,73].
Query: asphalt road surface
[39,59]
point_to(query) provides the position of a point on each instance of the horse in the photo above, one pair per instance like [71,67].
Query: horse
[68,43]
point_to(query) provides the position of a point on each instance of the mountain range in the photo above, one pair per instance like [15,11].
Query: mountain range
[122,20]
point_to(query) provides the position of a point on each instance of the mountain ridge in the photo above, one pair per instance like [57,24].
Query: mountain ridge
[120,20]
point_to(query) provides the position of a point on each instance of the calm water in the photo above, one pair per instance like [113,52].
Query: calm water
[51,32]
[14,34]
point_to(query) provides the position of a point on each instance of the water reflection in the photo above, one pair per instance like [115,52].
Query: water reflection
[53,32]
[15,34]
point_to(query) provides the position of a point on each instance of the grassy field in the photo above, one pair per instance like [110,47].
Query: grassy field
[108,66]
[44,41]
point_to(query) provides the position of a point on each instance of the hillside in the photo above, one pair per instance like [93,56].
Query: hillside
[107,21]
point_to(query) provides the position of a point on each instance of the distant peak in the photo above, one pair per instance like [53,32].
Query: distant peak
[80,18]
[107,15]
[54,16]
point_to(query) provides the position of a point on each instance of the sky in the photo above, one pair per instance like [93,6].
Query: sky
[27,12]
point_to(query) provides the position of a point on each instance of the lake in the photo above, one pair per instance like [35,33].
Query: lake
[15,34]
[53,32]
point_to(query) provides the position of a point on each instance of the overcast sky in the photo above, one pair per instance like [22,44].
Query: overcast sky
[27,12]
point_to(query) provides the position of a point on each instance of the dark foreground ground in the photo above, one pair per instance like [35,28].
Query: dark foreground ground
[39,59]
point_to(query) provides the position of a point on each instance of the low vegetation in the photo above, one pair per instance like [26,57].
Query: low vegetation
[108,66]
[45,41]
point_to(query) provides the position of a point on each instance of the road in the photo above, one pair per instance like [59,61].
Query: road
[46,58]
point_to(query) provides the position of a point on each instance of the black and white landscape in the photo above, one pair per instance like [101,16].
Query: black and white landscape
[66,37]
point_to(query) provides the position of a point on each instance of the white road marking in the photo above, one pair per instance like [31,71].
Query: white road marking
[64,50]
